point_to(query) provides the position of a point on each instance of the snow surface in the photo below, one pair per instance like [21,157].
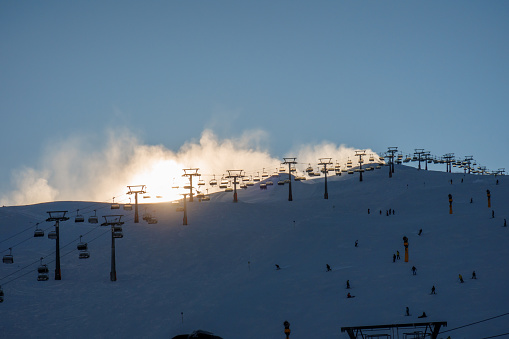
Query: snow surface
[218,272]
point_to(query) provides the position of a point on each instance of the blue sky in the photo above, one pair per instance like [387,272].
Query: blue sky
[368,74]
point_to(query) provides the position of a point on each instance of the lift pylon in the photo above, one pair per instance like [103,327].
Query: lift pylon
[235,174]
[57,216]
[290,162]
[136,189]
[190,172]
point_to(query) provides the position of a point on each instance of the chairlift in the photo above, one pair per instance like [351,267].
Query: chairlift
[281,182]
[201,182]
[42,271]
[38,232]
[147,196]
[52,235]
[264,174]
[152,220]
[82,246]
[309,169]
[118,235]
[281,169]
[93,219]
[1,294]
[213,182]
[79,217]
[117,228]
[84,255]
[8,258]
[114,206]
[257,178]
[128,207]
[269,183]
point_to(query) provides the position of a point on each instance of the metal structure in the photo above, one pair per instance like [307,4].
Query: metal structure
[290,162]
[235,174]
[191,172]
[419,152]
[136,189]
[421,330]
[324,162]
[391,151]
[116,232]
[57,217]
[360,154]
[448,159]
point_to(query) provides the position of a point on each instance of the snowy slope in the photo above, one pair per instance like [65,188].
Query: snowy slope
[218,273]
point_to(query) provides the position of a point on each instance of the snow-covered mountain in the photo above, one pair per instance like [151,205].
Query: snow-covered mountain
[218,272]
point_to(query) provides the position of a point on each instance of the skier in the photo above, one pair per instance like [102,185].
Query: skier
[505,223]
[451,181]
[473,275]
[394,258]
[420,232]
[380,212]
[368,210]
[350,296]
[277,267]
[286,324]
[397,255]
[460,277]
[423,315]
[356,243]
[414,270]
[407,312]
[390,211]
[471,200]
[433,290]
[492,213]
[348,284]
[328,268]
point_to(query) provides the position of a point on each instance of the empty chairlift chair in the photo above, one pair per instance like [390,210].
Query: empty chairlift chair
[43,272]
[52,235]
[82,246]
[128,207]
[93,219]
[38,232]
[114,206]
[8,258]
[117,232]
[79,217]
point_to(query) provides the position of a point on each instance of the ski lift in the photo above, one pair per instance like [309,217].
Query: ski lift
[82,246]
[371,158]
[201,182]
[93,219]
[52,235]
[269,183]
[1,294]
[264,174]
[8,258]
[205,198]
[114,206]
[152,220]
[128,207]
[309,169]
[84,255]
[118,235]
[43,272]
[147,196]
[79,217]
[117,228]
[38,232]
[213,182]
[281,169]
[257,178]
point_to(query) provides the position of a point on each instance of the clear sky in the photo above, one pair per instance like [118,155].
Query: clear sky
[367,74]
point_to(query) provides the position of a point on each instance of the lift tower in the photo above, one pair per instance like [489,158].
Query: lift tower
[116,232]
[290,162]
[136,189]
[468,160]
[360,154]
[235,174]
[190,172]
[324,162]
[419,152]
[57,216]
[391,151]
[449,157]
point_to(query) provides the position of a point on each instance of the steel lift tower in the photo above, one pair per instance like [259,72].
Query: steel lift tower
[136,189]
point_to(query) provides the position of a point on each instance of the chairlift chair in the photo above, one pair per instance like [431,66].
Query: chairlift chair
[118,235]
[79,217]
[52,235]
[38,232]
[93,219]
[82,246]
[117,228]
[264,174]
[8,258]
[84,255]
[114,206]
[213,182]
[152,220]
[128,207]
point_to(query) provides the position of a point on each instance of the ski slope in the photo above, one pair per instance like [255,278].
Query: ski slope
[218,272]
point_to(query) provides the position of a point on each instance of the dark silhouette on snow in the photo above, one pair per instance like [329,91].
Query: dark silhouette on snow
[286,324]
[397,255]
[420,232]
[407,313]
[414,270]
[473,275]
[505,223]
[460,277]
[348,284]
[433,290]
[394,258]
[471,200]
[350,296]
[423,315]
[328,268]
[356,243]
[277,267]
[492,213]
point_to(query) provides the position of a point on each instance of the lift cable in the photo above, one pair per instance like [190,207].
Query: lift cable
[477,322]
